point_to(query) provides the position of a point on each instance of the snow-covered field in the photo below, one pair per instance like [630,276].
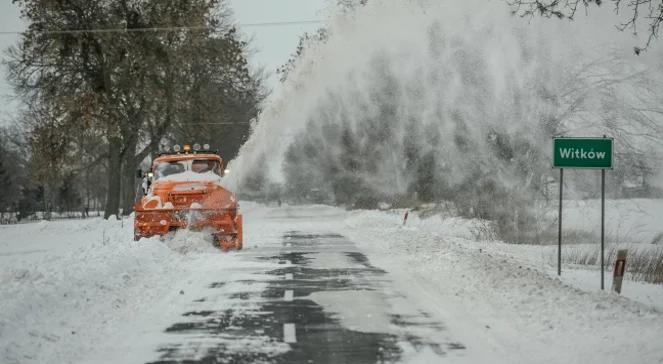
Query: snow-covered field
[80,289]
[627,221]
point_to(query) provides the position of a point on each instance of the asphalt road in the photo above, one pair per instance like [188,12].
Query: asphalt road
[320,301]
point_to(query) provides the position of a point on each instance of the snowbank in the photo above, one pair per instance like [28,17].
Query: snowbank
[67,285]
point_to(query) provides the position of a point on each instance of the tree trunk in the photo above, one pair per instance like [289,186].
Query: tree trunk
[114,177]
[129,180]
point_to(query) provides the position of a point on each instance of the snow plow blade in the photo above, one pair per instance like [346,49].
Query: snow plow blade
[225,224]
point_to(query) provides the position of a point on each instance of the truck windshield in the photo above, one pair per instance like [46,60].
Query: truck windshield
[205,165]
[199,166]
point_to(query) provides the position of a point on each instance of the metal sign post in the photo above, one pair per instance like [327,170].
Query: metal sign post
[559,223]
[582,153]
[603,229]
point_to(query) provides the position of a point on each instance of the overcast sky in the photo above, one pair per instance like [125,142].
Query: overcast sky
[272,45]
[275,44]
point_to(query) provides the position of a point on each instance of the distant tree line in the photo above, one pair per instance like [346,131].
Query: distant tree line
[105,83]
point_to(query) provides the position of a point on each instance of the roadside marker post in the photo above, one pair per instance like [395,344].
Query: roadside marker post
[620,269]
[582,153]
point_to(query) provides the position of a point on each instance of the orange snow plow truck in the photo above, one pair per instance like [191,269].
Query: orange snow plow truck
[183,190]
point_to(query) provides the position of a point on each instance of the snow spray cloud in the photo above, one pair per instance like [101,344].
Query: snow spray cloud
[444,100]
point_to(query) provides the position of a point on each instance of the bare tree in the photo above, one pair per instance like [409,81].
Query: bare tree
[649,10]
[94,97]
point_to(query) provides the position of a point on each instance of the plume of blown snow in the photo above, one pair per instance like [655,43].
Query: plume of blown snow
[463,74]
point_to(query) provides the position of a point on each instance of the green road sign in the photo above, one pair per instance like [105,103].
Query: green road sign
[582,153]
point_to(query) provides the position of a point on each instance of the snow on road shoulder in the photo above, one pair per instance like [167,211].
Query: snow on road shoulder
[528,315]
[67,285]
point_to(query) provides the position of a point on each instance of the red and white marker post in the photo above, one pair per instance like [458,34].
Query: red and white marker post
[620,268]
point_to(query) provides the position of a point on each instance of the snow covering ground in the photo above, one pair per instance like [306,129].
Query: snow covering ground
[515,294]
[67,284]
[82,291]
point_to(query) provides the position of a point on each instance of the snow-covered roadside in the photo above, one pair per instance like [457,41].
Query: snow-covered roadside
[478,236]
[67,285]
[82,290]
[530,315]
[583,277]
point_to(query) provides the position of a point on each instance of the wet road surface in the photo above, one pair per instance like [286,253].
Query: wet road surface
[320,301]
